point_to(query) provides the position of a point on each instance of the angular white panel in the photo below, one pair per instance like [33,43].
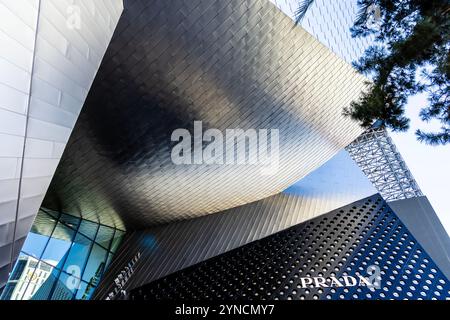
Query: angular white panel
[16,53]
[8,168]
[15,27]
[44,79]
[36,148]
[10,146]
[12,123]
[12,99]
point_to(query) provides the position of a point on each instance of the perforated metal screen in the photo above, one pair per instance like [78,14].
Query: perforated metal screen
[344,242]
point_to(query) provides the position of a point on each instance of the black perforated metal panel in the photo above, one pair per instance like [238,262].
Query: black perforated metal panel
[343,242]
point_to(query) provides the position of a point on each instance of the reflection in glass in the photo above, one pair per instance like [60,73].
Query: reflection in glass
[44,223]
[43,288]
[59,245]
[96,264]
[58,252]
[65,287]
[30,274]
[108,261]
[70,221]
[50,213]
[85,291]
[39,235]
[20,278]
[78,255]
[35,244]
[88,229]
[104,236]
[118,235]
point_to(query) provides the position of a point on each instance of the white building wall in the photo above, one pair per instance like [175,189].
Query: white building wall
[50,51]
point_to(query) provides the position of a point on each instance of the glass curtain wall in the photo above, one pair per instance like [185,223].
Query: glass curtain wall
[63,258]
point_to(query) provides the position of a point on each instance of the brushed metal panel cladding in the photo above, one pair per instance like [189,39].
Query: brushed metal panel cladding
[16,56]
[171,247]
[230,64]
[330,22]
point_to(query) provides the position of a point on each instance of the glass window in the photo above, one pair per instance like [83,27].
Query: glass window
[96,264]
[88,229]
[116,241]
[78,254]
[108,261]
[60,259]
[35,244]
[85,291]
[19,268]
[8,291]
[70,221]
[22,275]
[55,215]
[37,238]
[104,236]
[41,283]
[65,287]
[58,246]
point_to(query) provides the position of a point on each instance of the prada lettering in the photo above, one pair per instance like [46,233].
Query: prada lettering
[344,281]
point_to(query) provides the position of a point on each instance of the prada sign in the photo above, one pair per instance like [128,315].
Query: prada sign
[344,281]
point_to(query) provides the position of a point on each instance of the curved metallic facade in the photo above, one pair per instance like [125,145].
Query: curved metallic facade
[230,64]
[330,23]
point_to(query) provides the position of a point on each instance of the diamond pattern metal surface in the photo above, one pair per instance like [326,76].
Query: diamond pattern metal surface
[230,64]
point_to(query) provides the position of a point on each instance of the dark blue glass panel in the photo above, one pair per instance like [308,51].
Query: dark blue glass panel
[85,291]
[88,229]
[96,264]
[65,287]
[78,254]
[104,236]
[59,245]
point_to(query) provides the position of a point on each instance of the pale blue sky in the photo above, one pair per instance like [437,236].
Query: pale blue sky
[428,164]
